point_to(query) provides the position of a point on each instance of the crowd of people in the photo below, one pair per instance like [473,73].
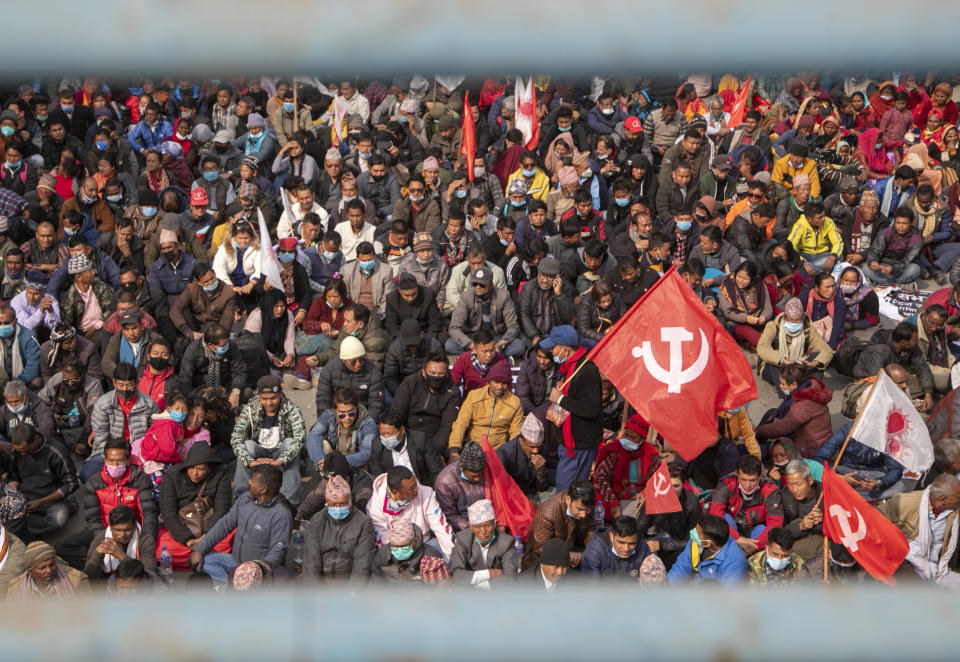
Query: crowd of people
[441,304]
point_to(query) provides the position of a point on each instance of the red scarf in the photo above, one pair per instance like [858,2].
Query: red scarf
[567,369]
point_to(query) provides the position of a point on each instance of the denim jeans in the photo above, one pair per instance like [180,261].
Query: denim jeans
[218,565]
[909,274]
[291,471]
[48,518]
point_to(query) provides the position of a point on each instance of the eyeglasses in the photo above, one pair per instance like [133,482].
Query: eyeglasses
[755,196]
[477,285]
[416,190]
[347,414]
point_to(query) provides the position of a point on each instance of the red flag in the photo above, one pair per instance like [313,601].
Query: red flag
[468,136]
[510,504]
[658,493]
[871,538]
[739,110]
[673,361]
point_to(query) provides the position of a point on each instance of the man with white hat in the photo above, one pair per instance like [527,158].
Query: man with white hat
[482,553]
[354,370]
[522,459]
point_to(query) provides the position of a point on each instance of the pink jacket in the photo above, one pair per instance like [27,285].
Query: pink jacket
[424,511]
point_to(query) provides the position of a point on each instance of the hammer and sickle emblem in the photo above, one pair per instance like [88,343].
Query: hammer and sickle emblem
[676,375]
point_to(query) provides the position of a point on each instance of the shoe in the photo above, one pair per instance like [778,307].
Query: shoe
[940,277]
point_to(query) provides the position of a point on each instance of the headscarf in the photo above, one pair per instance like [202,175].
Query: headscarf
[918,158]
[552,161]
[273,330]
[61,333]
[877,160]
[853,300]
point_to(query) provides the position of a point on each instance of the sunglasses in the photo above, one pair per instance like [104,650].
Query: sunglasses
[347,414]
[477,285]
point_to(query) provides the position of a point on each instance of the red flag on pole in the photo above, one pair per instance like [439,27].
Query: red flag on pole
[673,361]
[658,493]
[511,505]
[739,110]
[526,112]
[468,136]
[872,539]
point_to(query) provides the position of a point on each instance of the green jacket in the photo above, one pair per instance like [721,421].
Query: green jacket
[72,306]
[757,570]
[248,426]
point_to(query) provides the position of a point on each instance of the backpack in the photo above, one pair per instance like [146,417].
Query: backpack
[852,394]
[848,353]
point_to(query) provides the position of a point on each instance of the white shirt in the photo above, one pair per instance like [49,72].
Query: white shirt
[481,578]
[546,582]
[402,458]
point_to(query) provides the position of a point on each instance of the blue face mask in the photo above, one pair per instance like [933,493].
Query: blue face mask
[557,360]
[149,212]
[402,120]
[223,350]
[504,242]
[528,173]
[485,543]
[101,145]
[390,442]
[285,257]
[328,256]
[13,165]
[777,564]
[287,106]
[364,155]
[793,327]
[621,202]
[516,204]
[338,512]
[402,553]
[684,226]
[115,198]
[178,416]
[564,129]
[6,330]
[212,287]
[19,409]
[66,109]
[41,118]
[367,265]
[602,158]
[236,246]
[211,175]
[462,193]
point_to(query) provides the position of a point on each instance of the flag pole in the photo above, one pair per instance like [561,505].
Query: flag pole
[296,111]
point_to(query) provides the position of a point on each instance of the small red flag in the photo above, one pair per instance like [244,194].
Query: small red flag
[873,540]
[739,110]
[676,365]
[468,136]
[658,494]
[511,505]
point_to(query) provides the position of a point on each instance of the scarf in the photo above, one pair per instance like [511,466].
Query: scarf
[791,351]
[859,236]
[784,406]
[453,250]
[877,160]
[566,369]
[926,220]
[61,584]
[747,301]
[925,536]
[481,368]
[815,296]
[158,181]
[853,300]
[16,358]
[110,562]
[213,372]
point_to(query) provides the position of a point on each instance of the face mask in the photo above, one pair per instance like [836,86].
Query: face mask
[479,172]
[328,256]
[366,265]
[178,416]
[66,109]
[734,411]
[222,149]
[254,137]
[7,130]
[19,409]
[582,179]
[116,472]
[886,97]
[222,350]
[115,198]
[285,257]
[528,173]
[149,212]
[629,445]
[403,120]
[212,287]
[777,564]
[563,129]
[402,553]
[101,145]
[377,178]
[684,226]
[504,242]
[86,200]
[211,176]
[68,232]
[461,194]
[746,493]
[607,112]
[793,327]
[557,360]
[602,157]
[390,442]
[849,289]
[41,118]
[516,204]
[338,513]
[436,383]
[416,199]
[169,256]
[159,363]
[125,394]
[621,202]
[781,465]
[287,106]
[364,155]
[348,198]
[6,330]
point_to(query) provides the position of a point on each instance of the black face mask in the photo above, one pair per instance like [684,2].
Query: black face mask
[159,363]
[377,178]
[130,287]
[222,149]
[436,383]
[72,385]
[125,394]
[169,255]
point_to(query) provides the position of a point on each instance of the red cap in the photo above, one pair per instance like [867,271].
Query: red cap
[198,197]
[633,125]
[287,244]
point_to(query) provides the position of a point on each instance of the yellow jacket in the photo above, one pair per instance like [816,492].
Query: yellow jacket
[738,426]
[477,418]
[806,239]
[538,189]
[782,167]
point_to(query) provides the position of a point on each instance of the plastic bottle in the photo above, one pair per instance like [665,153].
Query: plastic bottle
[165,565]
[518,548]
[296,551]
[598,514]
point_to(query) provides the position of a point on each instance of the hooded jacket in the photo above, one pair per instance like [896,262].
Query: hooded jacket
[807,421]
[177,491]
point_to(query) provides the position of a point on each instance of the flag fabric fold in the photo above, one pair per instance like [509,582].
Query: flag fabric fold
[526,112]
[739,110]
[468,137]
[511,505]
[269,265]
[658,493]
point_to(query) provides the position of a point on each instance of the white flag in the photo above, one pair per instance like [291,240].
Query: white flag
[269,266]
[339,113]
[524,111]
[891,424]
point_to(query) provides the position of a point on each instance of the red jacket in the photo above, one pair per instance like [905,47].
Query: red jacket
[101,494]
[611,476]
[161,441]
[727,499]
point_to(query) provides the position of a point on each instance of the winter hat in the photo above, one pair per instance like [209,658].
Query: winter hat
[793,309]
[517,185]
[255,120]
[472,457]
[500,372]
[37,552]
[351,348]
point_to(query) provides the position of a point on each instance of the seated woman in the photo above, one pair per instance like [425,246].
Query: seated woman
[157,449]
[218,420]
[791,339]
[623,467]
[826,308]
[862,303]
[275,324]
[782,451]
[597,313]
[745,304]
[237,262]
[782,284]
[803,415]
[198,487]
[321,326]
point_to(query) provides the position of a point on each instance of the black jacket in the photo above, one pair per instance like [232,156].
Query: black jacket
[532,387]
[880,354]
[42,472]
[399,363]
[177,490]
[368,383]
[520,468]
[194,367]
[583,400]
[591,322]
[748,238]
[426,411]
[424,458]
[424,309]
[561,307]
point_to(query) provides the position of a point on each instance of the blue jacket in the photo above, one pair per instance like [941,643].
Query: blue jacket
[326,428]
[264,151]
[599,123]
[142,136]
[728,566]
[107,271]
[172,281]
[860,457]
[599,559]
[29,353]
[263,530]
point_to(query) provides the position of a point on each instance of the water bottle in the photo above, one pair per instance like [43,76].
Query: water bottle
[598,514]
[73,418]
[518,548]
[165,563]
[296,551]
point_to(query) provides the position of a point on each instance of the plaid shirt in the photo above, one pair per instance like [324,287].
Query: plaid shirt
[11,204]
[895,125]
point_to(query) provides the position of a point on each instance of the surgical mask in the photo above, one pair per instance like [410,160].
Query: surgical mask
[424,263]
[684,226]
[557,360]
[68,232]
[390,442]
[222,349]
[516,204]
[212,287]
[528,173]
[149,212]
[504,242]
[211,175]
[563,129]
[101,145]
[607,112]
[602,157]
[66,109]
[348,198]
[364,155]
[793,327]
[338,513]
[886,97]
[366,265]
[125,394]
[159,363]
[849,289]
[402,553]
[419,198]
[629,445]
[461,193]
[19,409]
[178,416]
[748,493]
[6,330]
[570,513]
[332,307]
[288,106]
[484,543]
[254,137]
[86,200]
[479,172]
[402,120]
[7,130]
[621,202]
[328,256]
[285,257]
[115,198]
[116,472]
[777,564]
[41,118]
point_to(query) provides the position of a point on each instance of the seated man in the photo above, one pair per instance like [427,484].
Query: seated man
[491,411]
[816,239]
[45,477]
[485,307]
[892,258]
[933,342]
[357,323]
[71,395]
[622,468]
[412,301]
[538,375]
[24,407]
[567,515]
[554,563]
[346,427]
[407,354]
[262,522]
[523,461]
[710,555]
[66,343]
[338,541]
[461,483]
[481,553]
[778,564]
[126,302]
[19,350]
[748,231]
[46,575]
[461,274]
[619,552]
[12,558]
[368,280]
[406,559]
[129,345]
[749,503]
[428,404]
[174,268]
[88,301]
[667,533]
[352,370]
[928,520]
[204,301]
[395,446]
[149,300]
[472,368]
[397,496]
[335,464]
[35,309]
[122,539]
[269,431]
[215,360]
[802,512]
[901,347]
[545,301]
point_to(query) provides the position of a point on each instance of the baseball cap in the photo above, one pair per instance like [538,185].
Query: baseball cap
[561,335]
[130,317]
[199,197]
[481,276]
[721,163]
[268,384]
[633,124]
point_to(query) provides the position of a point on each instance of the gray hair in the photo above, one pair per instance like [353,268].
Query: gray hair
[797,467]
[946,452]
[15,388]
[944,486]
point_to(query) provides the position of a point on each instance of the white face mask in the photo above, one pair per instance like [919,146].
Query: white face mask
[777,564]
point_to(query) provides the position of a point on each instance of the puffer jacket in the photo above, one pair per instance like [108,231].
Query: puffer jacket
[807,421]
[599,559]
[368,382]
[400,363]
[592,323]
[341,549]
[101,494]
[455,495]
[107,419]
[177,491]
